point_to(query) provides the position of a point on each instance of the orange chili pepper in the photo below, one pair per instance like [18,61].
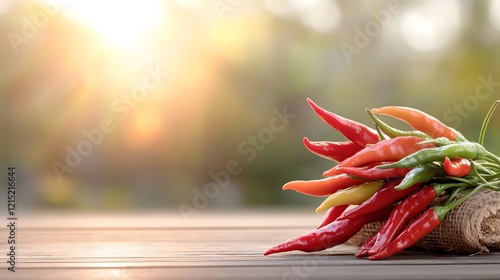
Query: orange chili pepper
[323,187]
[386,150]
[420,121]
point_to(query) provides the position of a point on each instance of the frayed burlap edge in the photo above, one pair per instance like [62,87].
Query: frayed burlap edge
[472,227]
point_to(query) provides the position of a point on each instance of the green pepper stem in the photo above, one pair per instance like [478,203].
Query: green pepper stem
[486,121]
[493,186]
[443,210]
[462,180]
[452,195]
[490,155]
[381,135]
[481,178]
[482,168]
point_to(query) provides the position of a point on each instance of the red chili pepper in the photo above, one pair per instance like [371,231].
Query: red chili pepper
[323,187]
[424,224]
[373,173]
[354,131]
[458,167]
[331,235]
[386,196]
[401,215]
[332,214]
[420,121]
[386,150]
[363,251]
[336,151]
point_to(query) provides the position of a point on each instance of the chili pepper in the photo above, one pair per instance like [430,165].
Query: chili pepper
[336,151]
[438,142]
[332,214]
[386,196]
[402,214]
[386,150]
[373,173]
[458,167]
[468,150]
[331,235]
[351,196]
[420,121]
[352,130]
[393,132]
[323,187]
[363,251]
[424,224]
[420,174]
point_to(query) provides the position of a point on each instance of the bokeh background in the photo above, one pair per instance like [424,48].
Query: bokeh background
[216,73]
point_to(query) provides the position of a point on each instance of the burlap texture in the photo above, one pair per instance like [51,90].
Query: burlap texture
[472,227]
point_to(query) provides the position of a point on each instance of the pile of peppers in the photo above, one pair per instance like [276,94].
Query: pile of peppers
[391,175]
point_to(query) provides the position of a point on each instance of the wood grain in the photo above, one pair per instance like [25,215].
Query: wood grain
[210,246]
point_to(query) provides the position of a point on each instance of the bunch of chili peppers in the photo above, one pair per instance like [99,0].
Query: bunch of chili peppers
[391,175]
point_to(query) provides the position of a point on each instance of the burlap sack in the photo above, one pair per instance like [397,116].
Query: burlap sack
[472,227]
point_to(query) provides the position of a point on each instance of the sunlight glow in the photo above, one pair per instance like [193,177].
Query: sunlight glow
[146,126]
[188,4]
[431,25]
[121,23]
[282,8]
[5,6]
[319,15]
[494,13]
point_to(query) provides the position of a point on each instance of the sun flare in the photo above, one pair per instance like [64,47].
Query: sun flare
[123,24]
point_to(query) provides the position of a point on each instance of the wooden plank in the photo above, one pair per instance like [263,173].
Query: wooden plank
[230,273]
[229,247]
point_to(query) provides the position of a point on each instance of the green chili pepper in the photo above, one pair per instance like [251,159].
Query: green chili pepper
[468,150]
[391,131]
[420,174]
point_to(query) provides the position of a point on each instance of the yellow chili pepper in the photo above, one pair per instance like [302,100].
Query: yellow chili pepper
[351,196]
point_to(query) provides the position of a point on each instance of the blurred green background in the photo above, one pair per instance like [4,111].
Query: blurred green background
[131,105]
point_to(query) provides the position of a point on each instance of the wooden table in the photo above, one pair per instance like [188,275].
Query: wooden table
[208,246]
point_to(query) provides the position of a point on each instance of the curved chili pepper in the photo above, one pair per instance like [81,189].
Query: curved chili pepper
[352,130]
[336,151]
[386,150]
[386,196]
[468,150]
[331,235]
[458,167]
[332,214]
[424,224]
[351,196]
[420,174]
[391,131]
[364,250]
[420,121]
[402,214]
[373,173]
[323,187]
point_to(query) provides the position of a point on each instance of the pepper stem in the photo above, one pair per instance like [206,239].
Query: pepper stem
[443,210]
[452,195]
[486,121]
[493,157]
[481,178]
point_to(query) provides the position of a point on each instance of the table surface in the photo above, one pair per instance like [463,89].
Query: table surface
[206,246]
